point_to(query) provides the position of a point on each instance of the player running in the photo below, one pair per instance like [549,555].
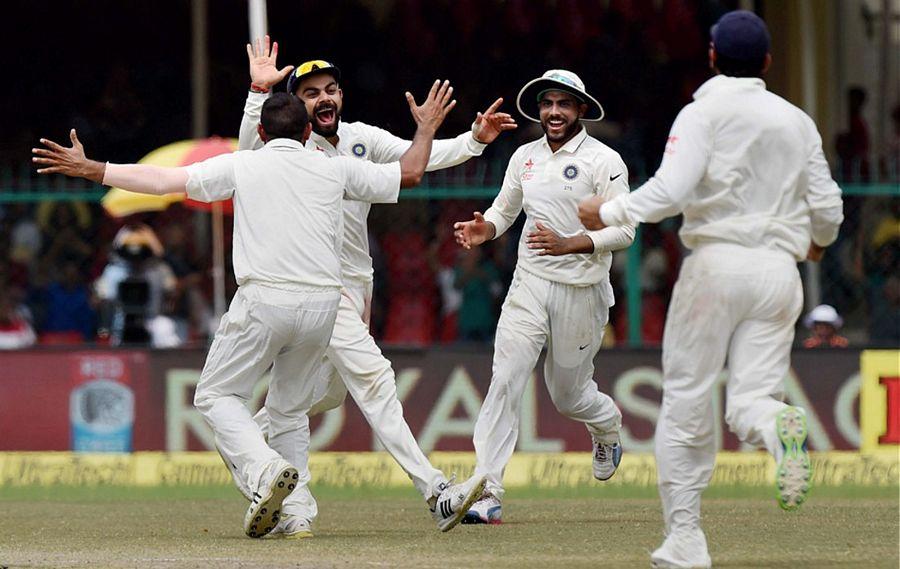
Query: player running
[746,169]
[354,362]
[287,238]
[560,294]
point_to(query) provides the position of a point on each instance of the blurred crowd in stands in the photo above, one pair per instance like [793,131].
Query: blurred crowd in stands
[71,274]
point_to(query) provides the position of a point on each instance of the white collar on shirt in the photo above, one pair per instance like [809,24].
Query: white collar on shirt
[723,82]
[289,143]
[572,146]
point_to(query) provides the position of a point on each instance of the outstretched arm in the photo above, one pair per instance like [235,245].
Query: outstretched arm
[449,152]
[141,178]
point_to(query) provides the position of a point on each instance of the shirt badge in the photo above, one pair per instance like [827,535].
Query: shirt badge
[359,150]
[570,172]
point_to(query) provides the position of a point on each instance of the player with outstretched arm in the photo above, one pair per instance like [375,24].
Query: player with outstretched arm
[354,361]
[287,239]
[560,294]
[747,171]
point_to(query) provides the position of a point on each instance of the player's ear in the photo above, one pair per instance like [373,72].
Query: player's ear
[582,110]
[262,133]
[766,64]
[306,132]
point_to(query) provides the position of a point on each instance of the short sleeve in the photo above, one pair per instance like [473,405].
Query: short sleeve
[211,180]
[369,182]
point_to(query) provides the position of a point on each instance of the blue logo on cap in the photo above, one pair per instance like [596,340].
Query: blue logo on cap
[359,150]
[570,172]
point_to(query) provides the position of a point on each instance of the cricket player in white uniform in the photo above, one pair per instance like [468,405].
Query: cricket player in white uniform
[747,171]
[560,294]
[354,361]
[288,234]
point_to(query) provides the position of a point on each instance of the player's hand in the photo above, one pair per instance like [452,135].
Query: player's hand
[547,242]
[264,72]
[490,124]
[815,253]
[57,159]
[589,212]
[432,112]
[475,232]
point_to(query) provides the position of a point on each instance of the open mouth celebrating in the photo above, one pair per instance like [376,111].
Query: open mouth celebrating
[326,116]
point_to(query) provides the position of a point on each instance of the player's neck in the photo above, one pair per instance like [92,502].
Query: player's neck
[557,144]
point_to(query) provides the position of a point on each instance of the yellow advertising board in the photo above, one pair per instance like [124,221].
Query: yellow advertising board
[377,469]
[879,401]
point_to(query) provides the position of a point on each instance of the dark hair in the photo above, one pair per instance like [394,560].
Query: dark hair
[739,68]
[284,116]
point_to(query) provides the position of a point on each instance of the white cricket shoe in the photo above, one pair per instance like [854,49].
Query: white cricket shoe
[607,455]
[278,480]
[487,510]
[682,550]
[793,476]
[455,500]
[291,527]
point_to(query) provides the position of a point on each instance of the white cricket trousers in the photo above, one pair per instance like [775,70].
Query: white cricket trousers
[569,320]
[733,303]
[288,330]
[354,363]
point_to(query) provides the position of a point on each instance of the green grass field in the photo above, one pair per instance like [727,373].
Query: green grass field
[589,527]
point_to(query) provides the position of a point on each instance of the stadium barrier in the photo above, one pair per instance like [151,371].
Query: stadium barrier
[140,400]
[378,470]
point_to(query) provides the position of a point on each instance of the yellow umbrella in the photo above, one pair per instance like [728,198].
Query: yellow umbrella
[120,203]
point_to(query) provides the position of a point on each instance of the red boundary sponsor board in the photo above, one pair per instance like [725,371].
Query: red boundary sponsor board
[441,391]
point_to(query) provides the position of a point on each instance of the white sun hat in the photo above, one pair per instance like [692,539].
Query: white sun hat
[557,80]
[823,313]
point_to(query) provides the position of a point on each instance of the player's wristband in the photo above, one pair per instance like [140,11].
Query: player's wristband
[258,89]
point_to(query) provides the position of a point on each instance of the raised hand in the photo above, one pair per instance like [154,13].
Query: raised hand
[475,232]
[589,212]
[58,159]
[490,124]
[432,112]
[263,57]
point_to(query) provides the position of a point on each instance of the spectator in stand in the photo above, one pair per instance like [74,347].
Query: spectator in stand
[479,282]
[15,329]
[885,324]
[853,145]
[25,235]
[188,306]
[824,322]
[68,300]
[64,226]
[135,289]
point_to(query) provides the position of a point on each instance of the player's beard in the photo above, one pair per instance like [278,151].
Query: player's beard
[330,129]
[569,130]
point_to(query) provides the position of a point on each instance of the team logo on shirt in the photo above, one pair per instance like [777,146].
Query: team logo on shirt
[359,150]
[570,172]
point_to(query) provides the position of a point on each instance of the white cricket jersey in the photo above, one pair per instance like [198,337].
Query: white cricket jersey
[288,224]
[363,142]
[548,186]
[745,167]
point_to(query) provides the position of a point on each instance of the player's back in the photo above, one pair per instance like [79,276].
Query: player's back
[288,214]
[754,189]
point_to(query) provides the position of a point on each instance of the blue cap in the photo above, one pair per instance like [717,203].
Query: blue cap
[741,35]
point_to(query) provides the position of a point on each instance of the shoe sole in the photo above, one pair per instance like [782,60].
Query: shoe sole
[473,496]
[262,518]
[794,474]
